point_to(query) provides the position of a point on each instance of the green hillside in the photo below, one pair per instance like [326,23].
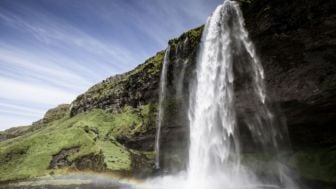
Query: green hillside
[93,133]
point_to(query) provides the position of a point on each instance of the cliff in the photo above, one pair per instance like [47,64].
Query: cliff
[114,121]
[109,128]
[296,42]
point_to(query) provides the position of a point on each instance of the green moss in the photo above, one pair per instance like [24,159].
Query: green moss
[193,35]
[125,122]
[133,121]
[117,157]
[29,156]
[150,65]
[38,150]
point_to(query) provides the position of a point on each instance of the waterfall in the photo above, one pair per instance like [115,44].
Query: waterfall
[162,96]
[179,87]
[215,153]
[215,145]
[214,141]
[212,115]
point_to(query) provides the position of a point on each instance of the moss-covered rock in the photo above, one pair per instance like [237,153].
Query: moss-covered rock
[134,88]
[52,115]
[34,154]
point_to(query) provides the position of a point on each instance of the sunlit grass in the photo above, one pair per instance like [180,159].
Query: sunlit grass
[30,155]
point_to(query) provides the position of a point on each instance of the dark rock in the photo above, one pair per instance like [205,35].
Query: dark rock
[296,42]
[60,159]
[142,142]
[90,162]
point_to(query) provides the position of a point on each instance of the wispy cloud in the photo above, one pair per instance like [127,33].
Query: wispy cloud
[33,93]
[51,51]
[28,67]
[57,33]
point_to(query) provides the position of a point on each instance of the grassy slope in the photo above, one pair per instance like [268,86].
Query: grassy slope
[29,156]
[14,132]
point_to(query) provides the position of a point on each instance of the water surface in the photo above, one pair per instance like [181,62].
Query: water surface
[69,182]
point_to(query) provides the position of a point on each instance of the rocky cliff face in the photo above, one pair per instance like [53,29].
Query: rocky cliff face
[134,88]
[115,120]
[140,87]
[296,41]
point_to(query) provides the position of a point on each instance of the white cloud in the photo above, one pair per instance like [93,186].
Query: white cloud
[13,121]
[38,66]
[33,93]
[19,109]
[62,34]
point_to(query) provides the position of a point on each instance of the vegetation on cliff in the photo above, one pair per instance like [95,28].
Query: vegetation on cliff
[111,127]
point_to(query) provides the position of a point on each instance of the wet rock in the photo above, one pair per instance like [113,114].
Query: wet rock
[296,43]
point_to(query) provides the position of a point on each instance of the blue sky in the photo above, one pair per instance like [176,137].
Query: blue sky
[53,50]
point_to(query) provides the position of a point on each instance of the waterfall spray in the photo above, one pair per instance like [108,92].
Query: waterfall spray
[215,145]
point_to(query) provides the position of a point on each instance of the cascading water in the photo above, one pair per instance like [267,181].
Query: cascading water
[162,96]
[215,143]
[212,116]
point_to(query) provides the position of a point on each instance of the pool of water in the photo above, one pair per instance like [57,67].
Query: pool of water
[81,186]
[69,182]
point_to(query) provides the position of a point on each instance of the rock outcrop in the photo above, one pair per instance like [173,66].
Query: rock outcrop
[52,114]
[61,158]
[134,88]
